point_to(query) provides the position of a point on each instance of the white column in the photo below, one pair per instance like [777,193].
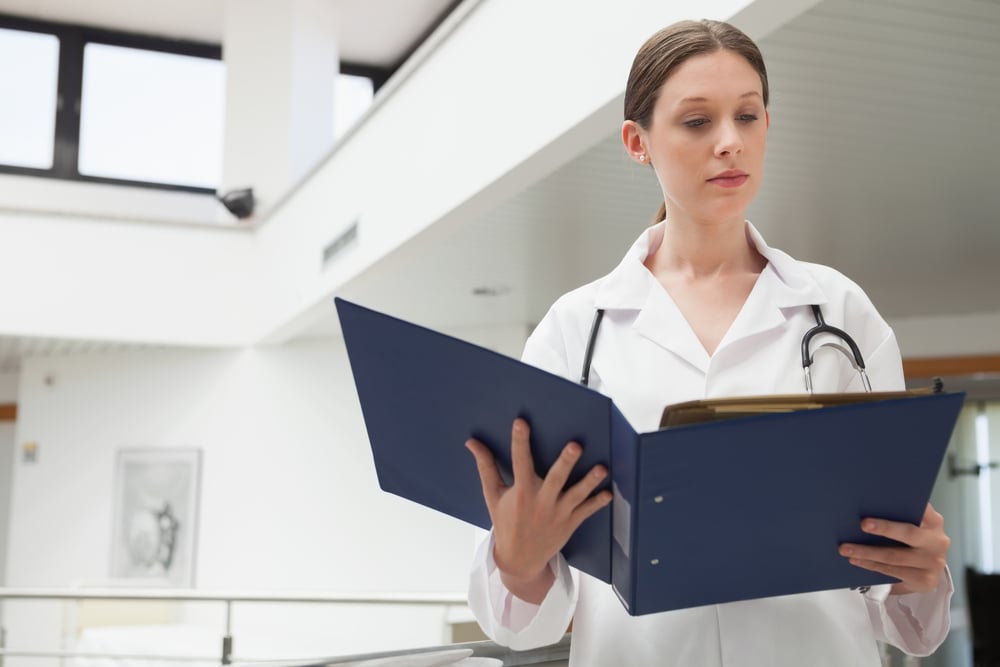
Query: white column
[281,65]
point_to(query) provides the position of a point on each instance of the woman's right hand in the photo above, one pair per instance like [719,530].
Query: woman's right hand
[534,517]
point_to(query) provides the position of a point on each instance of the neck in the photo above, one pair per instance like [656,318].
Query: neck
[704,249]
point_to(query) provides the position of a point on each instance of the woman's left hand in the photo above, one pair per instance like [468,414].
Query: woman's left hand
[919,567]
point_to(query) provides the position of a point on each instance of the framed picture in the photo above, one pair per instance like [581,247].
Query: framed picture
[155,516]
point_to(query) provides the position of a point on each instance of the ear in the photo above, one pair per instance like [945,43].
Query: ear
[633,138]
[767,119]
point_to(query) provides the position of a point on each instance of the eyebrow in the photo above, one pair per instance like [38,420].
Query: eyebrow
[703,99]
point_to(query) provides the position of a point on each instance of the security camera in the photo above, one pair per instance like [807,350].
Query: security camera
[239,202]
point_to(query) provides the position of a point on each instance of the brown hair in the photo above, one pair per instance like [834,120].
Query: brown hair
[667,50]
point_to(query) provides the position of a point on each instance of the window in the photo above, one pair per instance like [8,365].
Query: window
[28,91]
[95,105]
[151,116]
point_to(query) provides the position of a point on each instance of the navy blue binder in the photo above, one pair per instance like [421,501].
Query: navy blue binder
[700,511]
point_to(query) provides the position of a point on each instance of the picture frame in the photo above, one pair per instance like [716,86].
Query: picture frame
[155,516]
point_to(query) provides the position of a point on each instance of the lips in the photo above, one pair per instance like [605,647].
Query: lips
[731,178]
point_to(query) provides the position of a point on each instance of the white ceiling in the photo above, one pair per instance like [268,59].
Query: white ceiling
[370,32]
[882,161]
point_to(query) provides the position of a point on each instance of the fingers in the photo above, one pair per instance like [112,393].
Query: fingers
[890,556]
[918,565]
[932,518]
[520,451]
[590,506]
[551,489]
[580,491]
[558,474]
[903,532]
[912,579]
[929,535]
[489,473]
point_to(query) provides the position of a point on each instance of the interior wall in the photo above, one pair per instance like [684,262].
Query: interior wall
[289,498]
[8,394]
[947,335]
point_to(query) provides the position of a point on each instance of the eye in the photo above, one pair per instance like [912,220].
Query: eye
[747,117]
[697,122]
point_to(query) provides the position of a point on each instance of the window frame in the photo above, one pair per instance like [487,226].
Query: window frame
[73,39]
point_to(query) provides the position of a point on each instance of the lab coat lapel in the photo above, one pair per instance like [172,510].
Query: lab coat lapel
[632,287]
[662,322]
[784,284]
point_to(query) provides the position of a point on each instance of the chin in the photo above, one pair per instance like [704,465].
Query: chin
[729,212]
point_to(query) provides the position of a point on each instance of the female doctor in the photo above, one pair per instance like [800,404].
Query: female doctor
[700,306]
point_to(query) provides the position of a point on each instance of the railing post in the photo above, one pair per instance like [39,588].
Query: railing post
[3,642]
[227,640]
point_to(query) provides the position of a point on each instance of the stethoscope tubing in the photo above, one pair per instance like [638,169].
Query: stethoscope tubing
[807,356]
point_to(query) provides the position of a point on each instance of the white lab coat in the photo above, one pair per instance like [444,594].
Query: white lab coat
[647,356]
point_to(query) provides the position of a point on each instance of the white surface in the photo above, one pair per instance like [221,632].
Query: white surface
[461,657]
[72,278]
[436,217]
[127,91]
[27,120]
[279,93]
[6,474]
[376,32]
[289,496]
[150,640]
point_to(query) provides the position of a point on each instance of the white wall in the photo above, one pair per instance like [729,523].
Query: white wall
[482,118]
[62,277]
[289,496]
[486,114]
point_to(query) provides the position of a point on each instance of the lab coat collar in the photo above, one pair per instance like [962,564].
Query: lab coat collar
[629,284]
[784,283]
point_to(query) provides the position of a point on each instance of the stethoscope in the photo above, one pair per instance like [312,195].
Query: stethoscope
[853,355]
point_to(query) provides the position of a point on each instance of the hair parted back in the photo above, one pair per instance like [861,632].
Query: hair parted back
[667,50]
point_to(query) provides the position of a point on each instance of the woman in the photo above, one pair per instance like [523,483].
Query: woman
[700,306]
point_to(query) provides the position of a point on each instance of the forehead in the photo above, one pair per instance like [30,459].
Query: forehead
[718,76]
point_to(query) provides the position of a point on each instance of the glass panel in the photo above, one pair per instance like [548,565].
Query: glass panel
[988,453]
[352,95]
[28,91]
[150,116]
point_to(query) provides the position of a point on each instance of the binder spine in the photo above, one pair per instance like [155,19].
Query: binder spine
[624,508]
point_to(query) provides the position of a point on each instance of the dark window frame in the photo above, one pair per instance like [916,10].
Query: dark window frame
[72,41]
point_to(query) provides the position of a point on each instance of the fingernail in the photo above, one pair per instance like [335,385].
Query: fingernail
[846,551]
[518,426]
[854,561]
[573,449]
[869,525]
[600,472]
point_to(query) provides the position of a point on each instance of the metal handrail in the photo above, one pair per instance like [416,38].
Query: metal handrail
[195,595]
[199,595]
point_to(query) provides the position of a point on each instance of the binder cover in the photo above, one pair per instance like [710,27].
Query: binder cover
[707,513]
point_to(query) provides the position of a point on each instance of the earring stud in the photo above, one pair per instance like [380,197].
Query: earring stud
[642,157]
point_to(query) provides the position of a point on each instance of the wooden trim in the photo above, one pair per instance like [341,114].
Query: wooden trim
[8,412]
[947,366]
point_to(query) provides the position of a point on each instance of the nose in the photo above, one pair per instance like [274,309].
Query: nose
[730,141]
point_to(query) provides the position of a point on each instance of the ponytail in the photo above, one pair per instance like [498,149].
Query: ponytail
[661,214]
